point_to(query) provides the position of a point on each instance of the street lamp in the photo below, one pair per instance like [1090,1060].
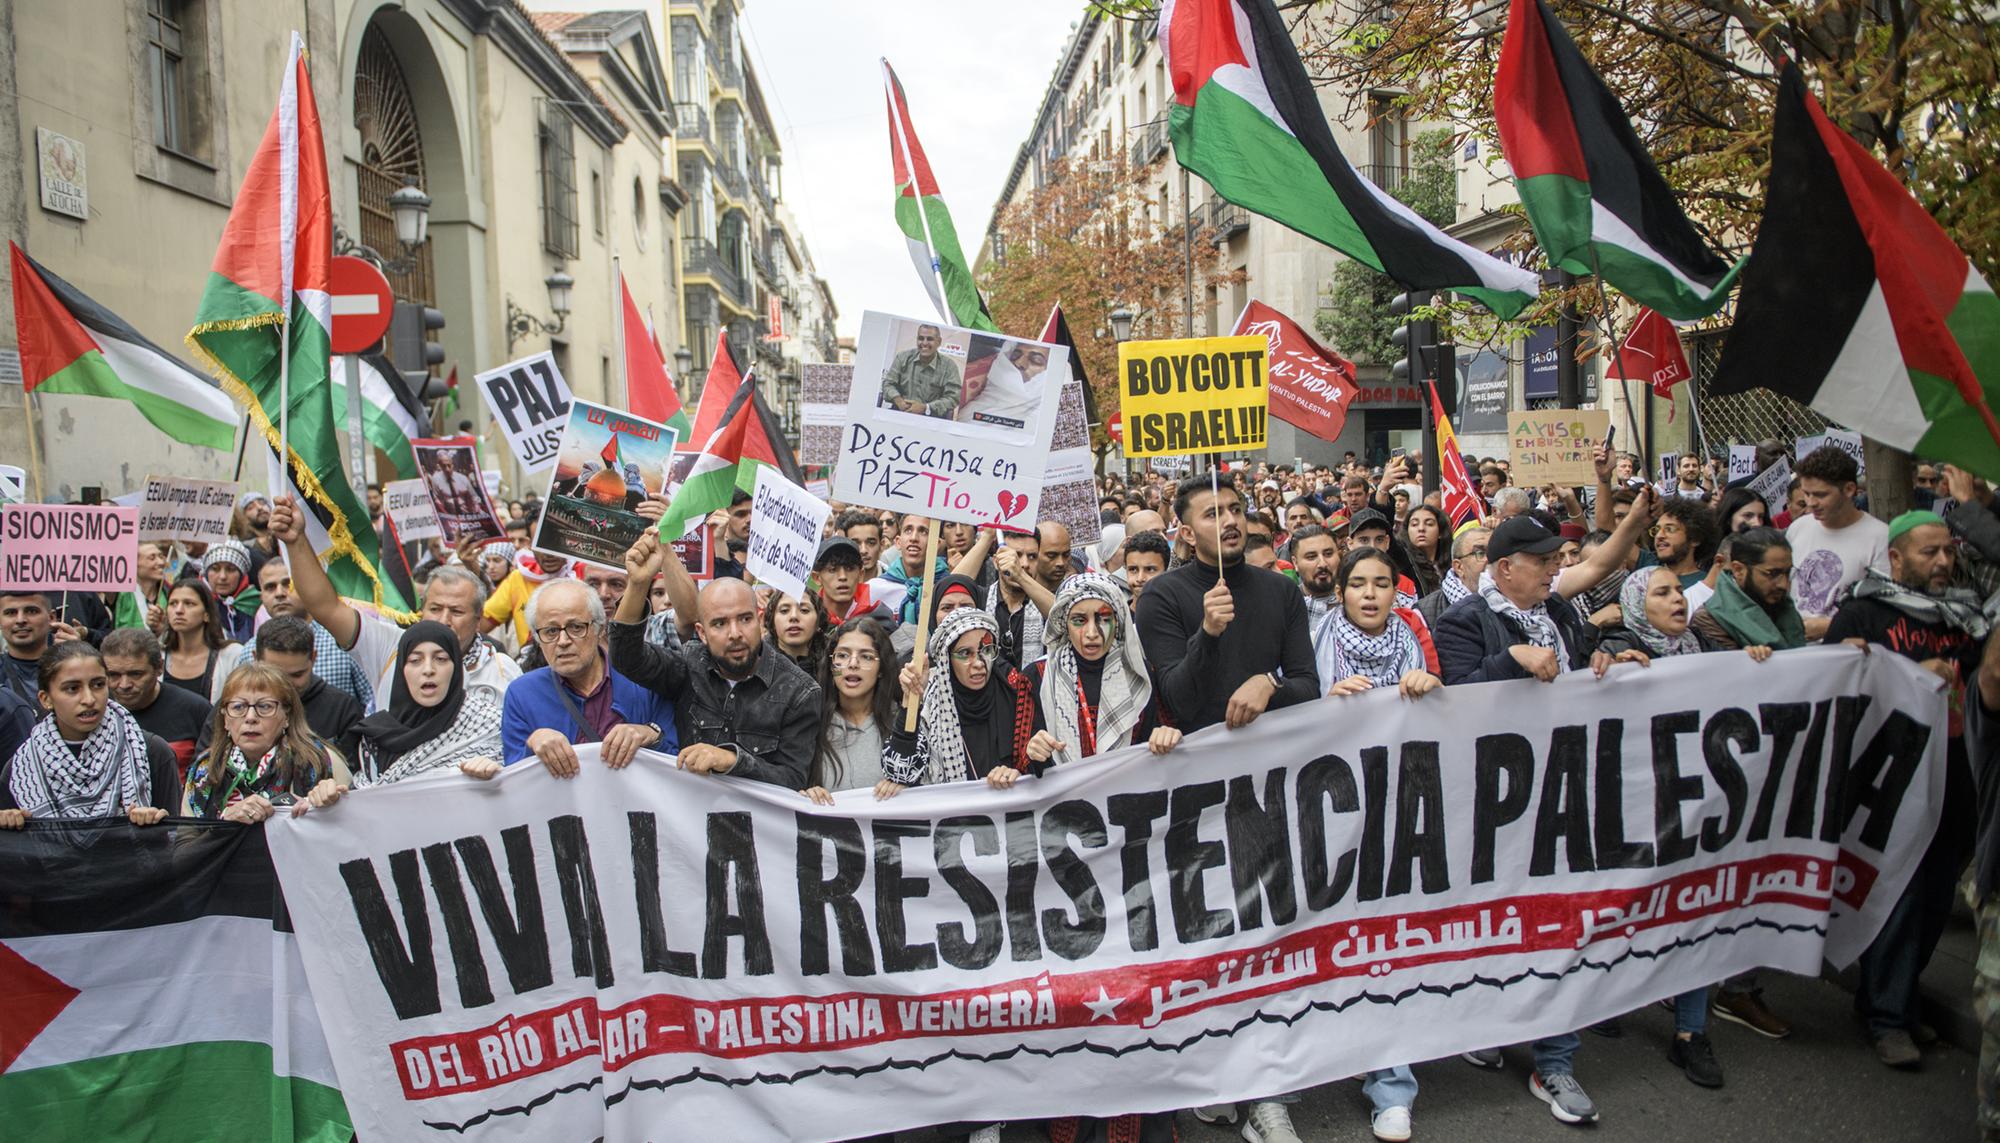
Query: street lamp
[412,210]
[521,323]
[1121,323]
[559,285]
[684,360]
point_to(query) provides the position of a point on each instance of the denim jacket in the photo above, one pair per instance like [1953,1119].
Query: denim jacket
[770,719]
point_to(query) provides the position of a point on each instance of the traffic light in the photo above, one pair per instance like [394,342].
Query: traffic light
[1413,339]
[412,350]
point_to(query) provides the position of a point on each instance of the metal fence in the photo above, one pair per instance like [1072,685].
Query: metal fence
[1743,418]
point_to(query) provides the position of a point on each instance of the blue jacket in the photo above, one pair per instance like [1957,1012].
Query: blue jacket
[531,703]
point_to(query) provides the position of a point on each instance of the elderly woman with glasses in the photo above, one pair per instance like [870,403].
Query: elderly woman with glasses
[261,754]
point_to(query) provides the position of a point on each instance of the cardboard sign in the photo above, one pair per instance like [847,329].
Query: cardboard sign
[1843,439]
[531,401]
[175,508]
[823,389]
[785,525]
[69,547]
[1742,461]
[408,506]
[1553,446]
[609,462]
[1311,385]
[458,494]
[1194,394]
[1773,484]
[1670,468]
[949,423]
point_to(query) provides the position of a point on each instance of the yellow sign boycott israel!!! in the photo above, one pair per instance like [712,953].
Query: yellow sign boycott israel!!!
[1194,394]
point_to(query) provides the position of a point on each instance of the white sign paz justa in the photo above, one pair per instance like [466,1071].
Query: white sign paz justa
[949,423]
[785,525]
[531,400]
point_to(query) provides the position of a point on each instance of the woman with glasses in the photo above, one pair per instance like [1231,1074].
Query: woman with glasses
[1093,691]
[200,655]
[88,758]
[433,719]
[261,754]
[858,716]
[977,711]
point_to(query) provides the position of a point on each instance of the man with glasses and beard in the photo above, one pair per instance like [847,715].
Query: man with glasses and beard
[741,707]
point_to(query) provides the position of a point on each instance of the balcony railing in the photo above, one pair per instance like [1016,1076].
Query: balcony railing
[1152,143]
[1387,177]
[700,256]
[1228,219]
[692,122]
[731,178]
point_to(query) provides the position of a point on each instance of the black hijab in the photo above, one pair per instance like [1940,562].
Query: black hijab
[986,718]
[406,725]
[946,583]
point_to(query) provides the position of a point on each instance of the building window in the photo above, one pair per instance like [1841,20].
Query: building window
[639,210]
[558,162]
[596,203]
[174,55]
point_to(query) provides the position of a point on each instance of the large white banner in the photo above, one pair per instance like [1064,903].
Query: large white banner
[950,423]
[1350,884]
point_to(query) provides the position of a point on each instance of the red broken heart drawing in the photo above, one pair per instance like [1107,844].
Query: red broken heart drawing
[1011,503]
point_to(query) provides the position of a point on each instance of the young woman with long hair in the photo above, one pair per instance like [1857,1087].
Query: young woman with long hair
[200,655]
[261,753]
[858,715]
[797,628]
[87,757]
[1427,536]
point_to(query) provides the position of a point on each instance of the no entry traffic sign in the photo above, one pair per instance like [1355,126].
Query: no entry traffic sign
[362,305]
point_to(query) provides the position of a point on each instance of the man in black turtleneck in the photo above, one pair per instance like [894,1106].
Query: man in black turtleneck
[1227,648]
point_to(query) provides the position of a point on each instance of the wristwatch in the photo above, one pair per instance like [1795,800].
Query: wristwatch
[659,735]
[1277,680]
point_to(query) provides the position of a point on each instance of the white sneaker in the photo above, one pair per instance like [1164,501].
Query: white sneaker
[1391,1124]
[1270,1123]
[1216,1113]
[987,1134]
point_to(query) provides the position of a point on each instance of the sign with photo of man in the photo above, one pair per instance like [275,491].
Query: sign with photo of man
[451,476]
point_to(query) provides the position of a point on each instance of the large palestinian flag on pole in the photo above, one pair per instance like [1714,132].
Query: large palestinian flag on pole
[73,346]
[151,988]
[1246,117]
[1856,303]
[262,328]
[1592,193]
[925,223]
[718,388]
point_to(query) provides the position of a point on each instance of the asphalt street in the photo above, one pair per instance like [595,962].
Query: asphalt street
[1820,1085]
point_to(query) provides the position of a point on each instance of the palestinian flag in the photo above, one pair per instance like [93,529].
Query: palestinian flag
[1856,303]
[391,416]
[1462,501]
[717,390]
[765,444]
[1246,117]
[1592,193]
[711,481]
[926,224]
[151,988]
[612,454]
[73,346]
[649,392]
[262,327]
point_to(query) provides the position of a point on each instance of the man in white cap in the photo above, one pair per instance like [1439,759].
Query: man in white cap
[255,508]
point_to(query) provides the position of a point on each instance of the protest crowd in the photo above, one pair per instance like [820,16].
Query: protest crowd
[238,684]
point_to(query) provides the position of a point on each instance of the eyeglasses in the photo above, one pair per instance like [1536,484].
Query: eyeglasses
[859,658]
[242,708]
[576,629]
[987,651]
[1478,553]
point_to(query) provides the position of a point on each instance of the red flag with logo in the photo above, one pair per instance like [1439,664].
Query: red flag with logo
[1461,497]
[1310,385]
[1652,353]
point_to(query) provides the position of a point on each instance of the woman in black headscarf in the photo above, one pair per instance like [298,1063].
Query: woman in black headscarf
[948,594]
[433,719]
[977,712]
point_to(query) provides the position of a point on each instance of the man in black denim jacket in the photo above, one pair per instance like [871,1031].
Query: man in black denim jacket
[740,707]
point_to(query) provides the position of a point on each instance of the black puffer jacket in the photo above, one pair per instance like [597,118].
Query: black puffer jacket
[1474,642]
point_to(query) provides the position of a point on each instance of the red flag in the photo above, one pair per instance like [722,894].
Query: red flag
[1310,385]
[716,391]
[1461,497]
[1652,353]
[649,391]
[610,454]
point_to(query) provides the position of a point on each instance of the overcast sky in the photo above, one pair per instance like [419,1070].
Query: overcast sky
[974,75]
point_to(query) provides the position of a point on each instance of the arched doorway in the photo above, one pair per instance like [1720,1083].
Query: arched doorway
[392,153]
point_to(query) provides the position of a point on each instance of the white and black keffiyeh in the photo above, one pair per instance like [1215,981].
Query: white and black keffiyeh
[474,733]
[1536,621]
[1126,687]
[1345,650]
[1454,588]
[938,724]
[1032,623]
[108,776]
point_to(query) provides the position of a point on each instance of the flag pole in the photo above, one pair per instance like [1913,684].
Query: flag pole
[618,331]
[924,610]
[1618,353]
[898,109]
[33,426]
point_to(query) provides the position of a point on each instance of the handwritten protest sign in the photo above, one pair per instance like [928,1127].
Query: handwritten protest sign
[532,401]
[1773,483]
[458,494]
[949,423]
[610,461]
[1742,461]
[785,523]
[1194,394]
[1553,446]
[408,506]
[69,547]
[175,508]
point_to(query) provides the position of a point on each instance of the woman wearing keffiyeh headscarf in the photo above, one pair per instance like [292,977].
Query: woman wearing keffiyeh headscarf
[87,758]
[977,712]
[1369,640]
[1093,691]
